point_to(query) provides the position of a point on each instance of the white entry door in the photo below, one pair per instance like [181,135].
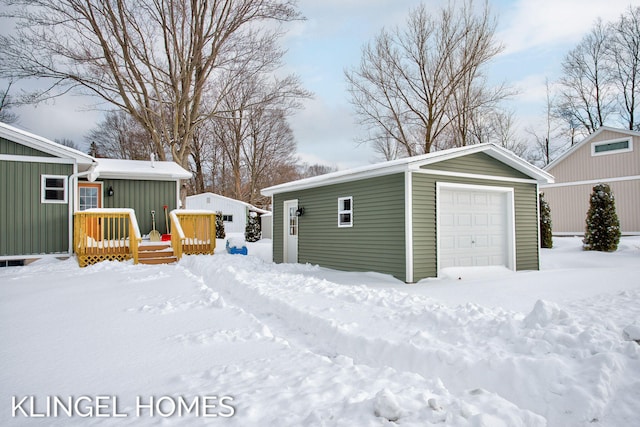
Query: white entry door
[290,231]
[475,226]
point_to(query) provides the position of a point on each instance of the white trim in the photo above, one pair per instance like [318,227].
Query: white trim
[100,196]
[178,201]
[34,257]
[45,145]
[511,217]
[475,176]
[408,225]
[345,211]
[43,188]
[538,219]
[591,181]
[36,159]
[629,140]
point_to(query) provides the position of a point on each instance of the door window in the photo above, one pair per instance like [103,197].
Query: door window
[293,222]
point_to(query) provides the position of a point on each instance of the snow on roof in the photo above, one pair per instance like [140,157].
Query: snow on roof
[141,169]
[105,168]
[248,205]
[405,164]
[43,144]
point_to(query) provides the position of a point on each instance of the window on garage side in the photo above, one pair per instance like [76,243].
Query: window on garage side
[345,211]
[227,218]
[53,189]
[611,147]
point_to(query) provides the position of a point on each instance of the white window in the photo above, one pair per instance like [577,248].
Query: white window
[227,218]
[345,212]
[53,189]
[611,147]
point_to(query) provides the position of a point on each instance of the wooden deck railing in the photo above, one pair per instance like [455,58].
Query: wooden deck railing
[193,232]
[106,234]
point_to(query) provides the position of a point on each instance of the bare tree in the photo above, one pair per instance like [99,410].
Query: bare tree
[154,59]
[624,56]
[308,171]
[586,97]
[545,143]
[120,136]
[500,129]
[67,143]
[6,104]
[415,82]
[257,135]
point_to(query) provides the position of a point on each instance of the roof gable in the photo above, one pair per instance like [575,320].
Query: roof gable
[44,145]
[228,199]
[414,163]
[573,149]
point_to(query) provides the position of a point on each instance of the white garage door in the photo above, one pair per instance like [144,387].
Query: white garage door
[474,227]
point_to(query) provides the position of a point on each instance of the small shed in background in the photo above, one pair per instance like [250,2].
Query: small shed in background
[234,212]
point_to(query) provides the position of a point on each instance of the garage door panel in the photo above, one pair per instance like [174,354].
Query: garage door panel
[464,242]
[480,199]
[482,241]
[447,243]
[463,219]
[481,220]
[462,198]
[447,220]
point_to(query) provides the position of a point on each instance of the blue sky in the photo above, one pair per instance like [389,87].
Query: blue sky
[536,34]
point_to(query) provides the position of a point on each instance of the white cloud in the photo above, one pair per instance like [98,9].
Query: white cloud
[527,24]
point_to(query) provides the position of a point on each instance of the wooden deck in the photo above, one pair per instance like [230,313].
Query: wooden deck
[113,234]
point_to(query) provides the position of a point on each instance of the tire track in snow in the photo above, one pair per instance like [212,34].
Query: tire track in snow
[550,347]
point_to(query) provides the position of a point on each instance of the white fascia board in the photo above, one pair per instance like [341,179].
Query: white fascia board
[37,159]
[141,176]
[336,178]
[42,144]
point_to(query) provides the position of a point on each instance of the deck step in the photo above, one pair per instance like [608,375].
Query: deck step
[164,260]
[156,254]
[155,247]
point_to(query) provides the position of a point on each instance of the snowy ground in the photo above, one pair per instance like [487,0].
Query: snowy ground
[299,345]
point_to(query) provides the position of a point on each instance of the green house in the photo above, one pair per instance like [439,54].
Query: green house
[43,183]
[412,218]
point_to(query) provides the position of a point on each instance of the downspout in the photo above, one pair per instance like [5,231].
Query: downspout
[73,179]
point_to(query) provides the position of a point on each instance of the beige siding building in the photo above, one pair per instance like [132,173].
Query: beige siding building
[610,156]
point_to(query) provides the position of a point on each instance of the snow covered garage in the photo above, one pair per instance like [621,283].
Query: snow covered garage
[465,207]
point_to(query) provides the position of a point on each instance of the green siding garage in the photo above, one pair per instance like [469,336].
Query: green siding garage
[410,218]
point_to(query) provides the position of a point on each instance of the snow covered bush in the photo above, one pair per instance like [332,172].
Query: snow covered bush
[252,230]
[603,227]
[220,234]
[546,239]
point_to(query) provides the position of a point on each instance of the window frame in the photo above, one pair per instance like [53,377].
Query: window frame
[342,211]
[629,148]
[44,189]
[228,216]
